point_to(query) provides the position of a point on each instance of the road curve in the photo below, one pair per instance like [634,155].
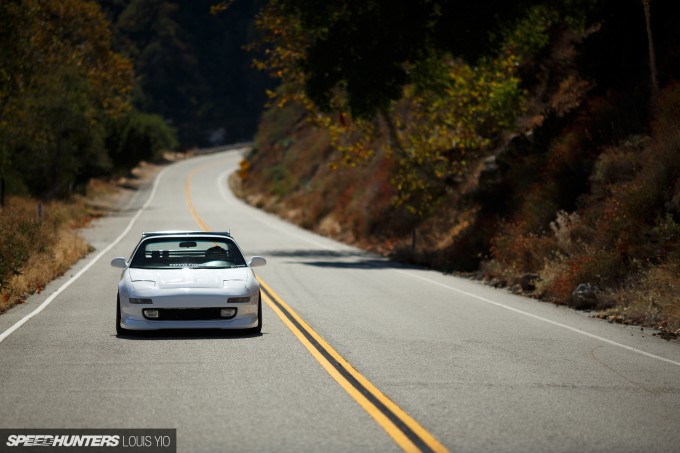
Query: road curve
[475,368]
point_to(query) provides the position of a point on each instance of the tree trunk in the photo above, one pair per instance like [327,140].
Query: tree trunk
[392,133]
[652,56]
[413,242]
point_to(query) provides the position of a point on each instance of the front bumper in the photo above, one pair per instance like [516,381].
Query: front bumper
[143,324]
[132,317]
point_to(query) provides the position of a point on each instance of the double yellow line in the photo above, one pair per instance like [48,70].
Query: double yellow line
[403,429]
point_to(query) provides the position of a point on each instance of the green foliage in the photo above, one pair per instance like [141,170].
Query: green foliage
[450,112]
[139,136]
[59,136]
[531,33]
[60,83]
[369,50]
[447,128]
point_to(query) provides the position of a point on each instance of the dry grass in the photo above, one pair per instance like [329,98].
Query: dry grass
[41,268]
[37,248]
[650,300]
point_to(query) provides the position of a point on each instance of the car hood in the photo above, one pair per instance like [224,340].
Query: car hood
[188,278]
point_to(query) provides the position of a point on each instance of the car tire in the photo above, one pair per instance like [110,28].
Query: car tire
[258,328]
[119,330]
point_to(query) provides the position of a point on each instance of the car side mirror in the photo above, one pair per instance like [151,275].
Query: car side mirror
[257,261]
[119,262]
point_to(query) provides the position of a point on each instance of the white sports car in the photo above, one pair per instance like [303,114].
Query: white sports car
[188,280]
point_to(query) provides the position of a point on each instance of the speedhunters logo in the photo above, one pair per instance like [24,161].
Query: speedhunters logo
[86,440]
[65,440]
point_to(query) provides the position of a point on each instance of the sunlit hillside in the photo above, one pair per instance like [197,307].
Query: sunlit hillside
[546,162]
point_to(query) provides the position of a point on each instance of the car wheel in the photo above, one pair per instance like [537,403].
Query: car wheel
[258,328]
[119,330]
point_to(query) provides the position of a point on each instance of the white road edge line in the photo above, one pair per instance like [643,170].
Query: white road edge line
[63,287]
[222,184]
[540,318]
[222,189]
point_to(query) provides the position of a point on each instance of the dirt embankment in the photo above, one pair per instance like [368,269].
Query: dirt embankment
[40,239]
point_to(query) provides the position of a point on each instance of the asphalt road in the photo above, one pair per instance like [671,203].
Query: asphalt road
[478,369]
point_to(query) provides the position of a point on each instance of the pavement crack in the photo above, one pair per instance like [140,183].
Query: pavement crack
[592,353]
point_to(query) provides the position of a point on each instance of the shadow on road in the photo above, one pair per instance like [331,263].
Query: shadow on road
[182,334]
[359,264]
[334,259]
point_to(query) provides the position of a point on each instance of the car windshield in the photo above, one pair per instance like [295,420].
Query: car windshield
[179,253]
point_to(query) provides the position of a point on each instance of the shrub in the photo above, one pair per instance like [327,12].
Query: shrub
[660,286]
[139,136]
[562,274]
[280,180]
[519,250]
[570,232]
[615,165]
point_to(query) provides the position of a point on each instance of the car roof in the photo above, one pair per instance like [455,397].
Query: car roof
[147,234]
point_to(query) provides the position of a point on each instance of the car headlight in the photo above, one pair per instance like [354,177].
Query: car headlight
[144,284]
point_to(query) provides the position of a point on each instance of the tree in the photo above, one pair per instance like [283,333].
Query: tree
[373,70]
[191,67]
[60,80]
[369,50]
